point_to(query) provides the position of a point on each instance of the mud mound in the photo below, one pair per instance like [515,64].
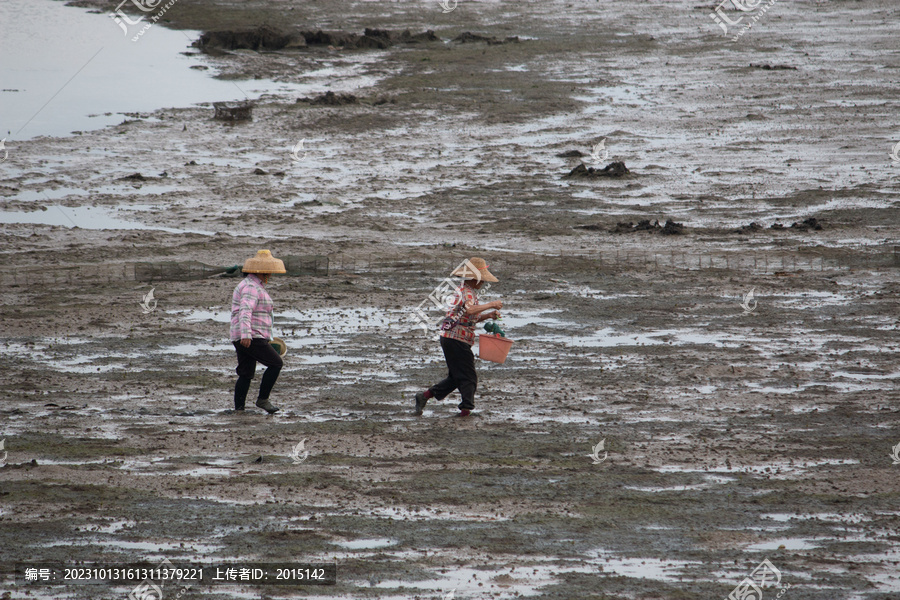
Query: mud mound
[810,224]
[571,154]
[613,169]
[751,228]
[766,67]
[268,38]
[340,39]
[807,225]
[261,38]
[404,37]
[670,228]
[233,111]
[133,177]
[468,38]
[331,99]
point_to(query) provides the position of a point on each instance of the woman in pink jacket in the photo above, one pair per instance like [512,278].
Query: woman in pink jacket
[251,329]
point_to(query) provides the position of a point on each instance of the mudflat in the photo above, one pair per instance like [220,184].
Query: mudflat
[723,315]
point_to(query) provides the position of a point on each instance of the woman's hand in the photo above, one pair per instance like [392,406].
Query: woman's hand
[495,315]
[497,304]
[245,342]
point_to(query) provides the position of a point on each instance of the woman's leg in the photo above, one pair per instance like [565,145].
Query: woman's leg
[245,370]
[461,361]
[445,387]
[266,355]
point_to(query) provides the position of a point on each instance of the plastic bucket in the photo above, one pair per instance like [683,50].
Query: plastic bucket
[492,347]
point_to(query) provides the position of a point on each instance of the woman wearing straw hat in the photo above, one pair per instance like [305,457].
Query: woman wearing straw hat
[251,329]
[458,336]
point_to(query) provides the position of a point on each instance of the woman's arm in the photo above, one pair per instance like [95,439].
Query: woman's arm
[248,303]
[474,309]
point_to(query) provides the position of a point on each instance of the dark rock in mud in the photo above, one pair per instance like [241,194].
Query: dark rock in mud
[133,177]
[751,228]
[331,99]
[807,225]
[670,228]
[810,224]
[613,169]
[261,38]
[468,37]
[385,38]
[259,171]
[233,111]
[326,38]
[571,154]
[373,39]
[268,38]
[426,36]
[766,67]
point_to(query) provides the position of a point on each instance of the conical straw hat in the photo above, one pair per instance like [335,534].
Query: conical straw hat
[279,346]
[264,262]
[474,268]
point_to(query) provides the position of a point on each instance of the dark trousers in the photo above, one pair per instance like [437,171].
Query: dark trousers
[462,376]
[260,351]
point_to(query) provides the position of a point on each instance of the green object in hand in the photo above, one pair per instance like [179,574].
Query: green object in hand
[494,327]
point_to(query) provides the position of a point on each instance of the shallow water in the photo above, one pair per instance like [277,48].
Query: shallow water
[66,69]
[85,217]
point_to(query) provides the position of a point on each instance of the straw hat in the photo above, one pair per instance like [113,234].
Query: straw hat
[279,345]
[474,268]
[264,262]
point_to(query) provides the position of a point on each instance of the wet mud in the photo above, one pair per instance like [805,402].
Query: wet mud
[745,384]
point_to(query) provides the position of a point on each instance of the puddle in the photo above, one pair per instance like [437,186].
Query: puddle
[50,194]
[148,549]
[85,217]
[113,527]
[710,481]
[610,338]
[535,317]
[366,544]
[192,349]
[540,572]
[323,417]
[427,514]
[48,461]
[643,568]
[775,470]
[236,502]
[787,543]
[828,517]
